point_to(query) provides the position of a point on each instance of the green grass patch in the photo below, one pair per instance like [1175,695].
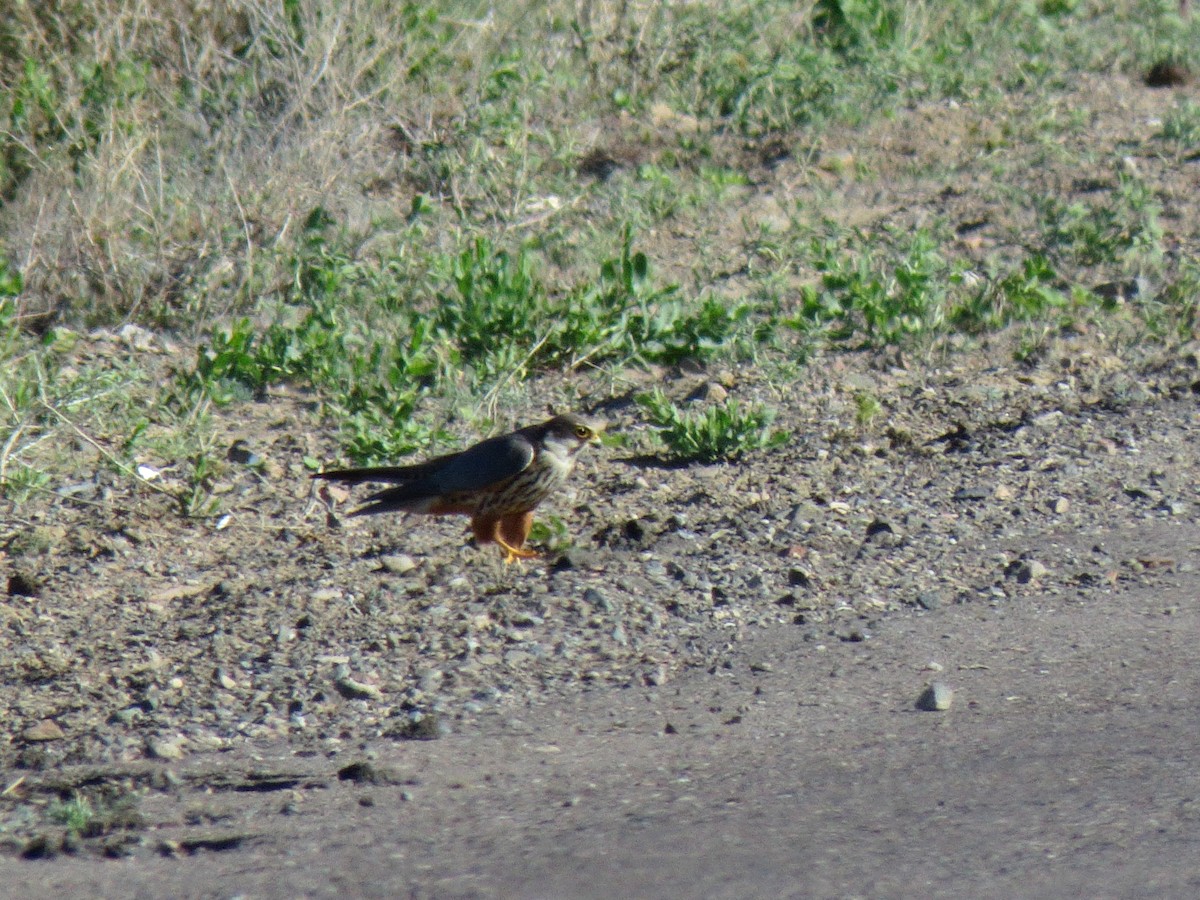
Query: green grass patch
[720,432]
[864,296]
[1119,228]
[347,331]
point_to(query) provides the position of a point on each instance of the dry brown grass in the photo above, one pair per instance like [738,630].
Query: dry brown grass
[224,125]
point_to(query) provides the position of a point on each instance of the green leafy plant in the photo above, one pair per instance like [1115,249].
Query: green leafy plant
[879,298]
[1025,295]
[867,408]
[75,813]
[496,309]
[721,432]
[96,813]
[1122,228]
[1181,126]
[198,499]
[553,533]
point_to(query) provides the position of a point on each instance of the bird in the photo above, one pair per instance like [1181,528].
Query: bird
[497,482]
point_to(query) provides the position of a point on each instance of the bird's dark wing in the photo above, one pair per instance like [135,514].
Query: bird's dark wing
[478,468]
[475,469]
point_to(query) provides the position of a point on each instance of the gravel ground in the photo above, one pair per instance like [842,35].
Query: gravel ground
[132,635]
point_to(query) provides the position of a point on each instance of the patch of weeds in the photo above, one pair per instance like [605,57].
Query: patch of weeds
[1175,310]
[624,317]
[722,432]
[867,408]
[501,318]
[758,80]
[378,424]
[230,366]
[20,482]
[848,25]
[347,331]
[880,300]
[1034,342]
[495,310]
[1027,295]
[58,102]
[1122,229]
[107,810]
[350,330]
[552,533]
[75,814]
[657,192]
[723,179]
[198,500]
[1181,126]
[45,393]
[11,284]
[1058,7]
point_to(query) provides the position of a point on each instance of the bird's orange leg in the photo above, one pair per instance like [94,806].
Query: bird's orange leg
[511,534]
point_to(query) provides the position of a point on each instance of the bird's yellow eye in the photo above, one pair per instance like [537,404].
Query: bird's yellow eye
[583,432]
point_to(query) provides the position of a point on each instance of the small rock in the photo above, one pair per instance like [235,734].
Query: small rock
[398,563]
[128,715]
[1048,421]
[1060,506]
[879,526]
[709,392]
[1173,507]
[595,598]
[798,577]
[657,676]
[165,748]
[1168,73]
[635,531]
[45,730]
[1024,571]
[936,697]
[575,558]
[1122,291]
[364,772]
[929,600]
[352,689]
[420,726]
[40,846]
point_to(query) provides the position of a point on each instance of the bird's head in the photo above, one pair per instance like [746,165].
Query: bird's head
[566,435]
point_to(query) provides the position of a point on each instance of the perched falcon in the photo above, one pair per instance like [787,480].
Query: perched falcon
[496,482]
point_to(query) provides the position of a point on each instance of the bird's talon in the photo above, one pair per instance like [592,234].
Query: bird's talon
[512,554]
